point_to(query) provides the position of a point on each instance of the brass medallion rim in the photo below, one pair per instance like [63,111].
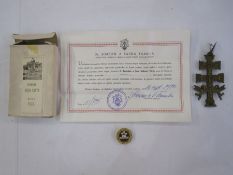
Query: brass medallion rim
[118,137]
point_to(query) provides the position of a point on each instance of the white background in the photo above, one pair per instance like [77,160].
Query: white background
[49,147]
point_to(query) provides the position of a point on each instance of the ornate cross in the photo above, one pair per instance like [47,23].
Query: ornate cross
[209,88]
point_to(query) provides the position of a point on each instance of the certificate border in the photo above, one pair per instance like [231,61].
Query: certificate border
[115,44]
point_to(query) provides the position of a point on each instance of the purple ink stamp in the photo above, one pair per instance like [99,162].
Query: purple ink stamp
[117,99]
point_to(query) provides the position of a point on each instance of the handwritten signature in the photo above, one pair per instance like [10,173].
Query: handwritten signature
[154,92]
[90,102]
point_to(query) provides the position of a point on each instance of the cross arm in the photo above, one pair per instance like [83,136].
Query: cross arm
[219,78]
[200,78]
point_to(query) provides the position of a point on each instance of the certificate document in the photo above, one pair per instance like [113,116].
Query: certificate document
[135,76]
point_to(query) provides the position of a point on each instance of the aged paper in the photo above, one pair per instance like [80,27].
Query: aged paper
[33,76]
[126,76]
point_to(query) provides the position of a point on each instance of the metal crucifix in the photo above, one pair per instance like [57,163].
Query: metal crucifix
[209,88]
